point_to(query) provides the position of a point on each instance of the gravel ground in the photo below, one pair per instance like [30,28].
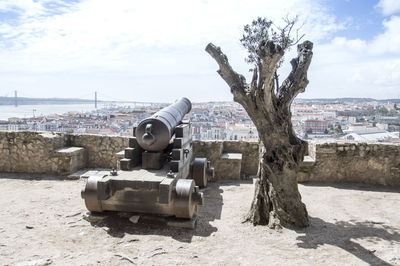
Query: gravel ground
[44,221]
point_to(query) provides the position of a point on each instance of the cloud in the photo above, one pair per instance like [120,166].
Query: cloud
[388,7]
[25,8]
[389,41]
[357,68]
[136,47]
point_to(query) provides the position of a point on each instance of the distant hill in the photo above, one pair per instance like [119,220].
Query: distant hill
[326,100]
[34,101]
[37,101]
[343,100]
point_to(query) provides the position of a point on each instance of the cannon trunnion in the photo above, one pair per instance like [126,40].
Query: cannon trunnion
[158,174]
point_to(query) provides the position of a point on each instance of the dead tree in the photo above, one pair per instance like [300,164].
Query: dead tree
[277,200]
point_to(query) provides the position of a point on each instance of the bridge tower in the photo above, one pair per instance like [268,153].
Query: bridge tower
[15,99]
[95,99]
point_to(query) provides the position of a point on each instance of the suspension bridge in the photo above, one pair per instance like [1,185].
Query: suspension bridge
[14,97]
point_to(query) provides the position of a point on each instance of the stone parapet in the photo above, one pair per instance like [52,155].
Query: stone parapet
[57,153]
[215,150]
[39,152]
[339,162]
[29,152]
[70,159]
[229,166]
[102,150]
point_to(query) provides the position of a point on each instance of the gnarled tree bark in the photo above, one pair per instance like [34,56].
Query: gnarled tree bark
[277,200]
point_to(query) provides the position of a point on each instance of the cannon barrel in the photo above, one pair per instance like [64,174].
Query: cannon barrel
[154,133]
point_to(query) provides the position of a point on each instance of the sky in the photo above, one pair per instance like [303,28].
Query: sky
[154,50]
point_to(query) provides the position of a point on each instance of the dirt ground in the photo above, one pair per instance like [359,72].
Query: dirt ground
[44,221]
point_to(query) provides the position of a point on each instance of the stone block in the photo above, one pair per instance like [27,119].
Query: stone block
[229,166]
[125,164]
[133,143]
[120,154]
[308,162]
[231,156]
[135,154]
[326,150]
[71,159]
[129,153]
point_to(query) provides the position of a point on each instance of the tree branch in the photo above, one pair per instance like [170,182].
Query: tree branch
[236,82]
[253,85]
[297,80]
[270,54]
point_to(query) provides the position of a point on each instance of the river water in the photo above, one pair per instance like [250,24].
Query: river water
[26,111]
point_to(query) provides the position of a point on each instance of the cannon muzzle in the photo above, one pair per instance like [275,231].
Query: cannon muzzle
[154,133]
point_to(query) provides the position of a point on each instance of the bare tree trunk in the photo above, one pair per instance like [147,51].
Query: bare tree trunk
[277,200]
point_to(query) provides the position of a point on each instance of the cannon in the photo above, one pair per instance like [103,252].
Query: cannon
[158,174]
[154,133]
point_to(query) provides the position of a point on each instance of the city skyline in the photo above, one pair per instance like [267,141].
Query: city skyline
[350,120]
[131,50]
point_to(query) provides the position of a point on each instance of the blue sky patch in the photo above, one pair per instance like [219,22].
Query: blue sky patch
[363,20]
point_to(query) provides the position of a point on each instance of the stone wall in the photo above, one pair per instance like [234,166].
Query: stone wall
[213,150]
[44,152]
[369,163]
[30,152]
[353,162]
[101,149]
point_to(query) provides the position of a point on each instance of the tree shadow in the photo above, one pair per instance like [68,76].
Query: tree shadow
[118,224]
[342,233]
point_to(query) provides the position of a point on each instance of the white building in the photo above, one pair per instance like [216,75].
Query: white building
[242,132]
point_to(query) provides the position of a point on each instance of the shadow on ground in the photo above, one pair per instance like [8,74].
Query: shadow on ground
[118,224]
[345,234]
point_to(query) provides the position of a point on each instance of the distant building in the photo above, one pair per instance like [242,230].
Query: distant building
[242,132]
[48,127]
[315,125]
[352,119]
[17,126]
[365,128]
[373,137]
[3,125]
